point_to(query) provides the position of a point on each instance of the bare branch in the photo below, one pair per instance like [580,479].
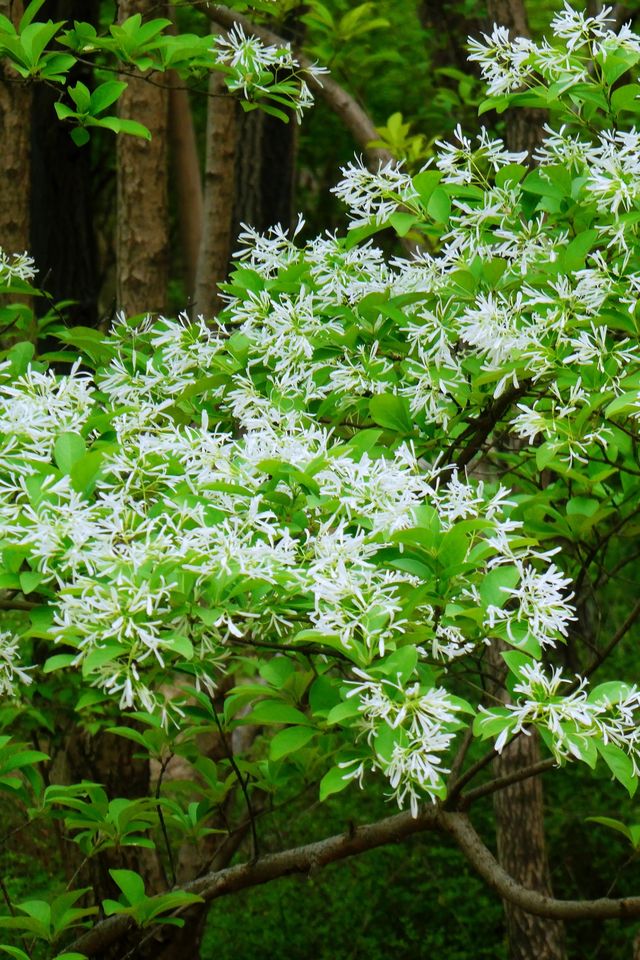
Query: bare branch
[313,856]
[486,865]
[303,859]
[499,783]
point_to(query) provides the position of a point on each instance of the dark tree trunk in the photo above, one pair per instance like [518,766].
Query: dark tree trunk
[266,161]
[142,241]
[15,112]
[447,32]
[215,247]
[265,172]
[62,236]
[186,176]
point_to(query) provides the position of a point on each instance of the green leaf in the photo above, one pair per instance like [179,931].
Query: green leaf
[391,411]
[398,666]
[515,661]
[68,449]
[275,711]
[131,884]
[289,740]
[495,584]
[29,13]
[16,952]
[333,782]
[574,254]
[121,125]
[20,356]
[106,94]
[80,136]
[426,182]
[612,825]
[402,222]
[29,580]
[80,96]
[58,662]
[345,710]
[620,764]
[439,206]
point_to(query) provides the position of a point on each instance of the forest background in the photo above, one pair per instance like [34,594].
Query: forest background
[151,225]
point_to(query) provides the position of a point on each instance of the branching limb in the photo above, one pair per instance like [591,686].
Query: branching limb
[486,865]
[313,856]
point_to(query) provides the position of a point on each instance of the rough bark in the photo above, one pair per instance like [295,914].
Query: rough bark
[15,112]
[63,216]
[186,175]
[219,191]
[142,241]
[520,836]
[188,183]
[265,172]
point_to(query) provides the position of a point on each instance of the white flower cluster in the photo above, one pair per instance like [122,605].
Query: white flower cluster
[281,476]
[515,63]
[262,70]
[375,196]
[13,674]
[18,266]
[422,724]
[574,719]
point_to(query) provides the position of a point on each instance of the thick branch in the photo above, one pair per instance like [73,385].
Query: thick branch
[312,856]
[486,865]
[303,859]
[356,120]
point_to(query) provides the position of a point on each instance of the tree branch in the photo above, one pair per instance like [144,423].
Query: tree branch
[302,859]
[356,120]
[486,865]
[313,856]
[615,640]
[499,783]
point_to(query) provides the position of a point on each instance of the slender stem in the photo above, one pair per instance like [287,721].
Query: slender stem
[501,782]
[243,786]
[8,901]
[163,825]
[613,643]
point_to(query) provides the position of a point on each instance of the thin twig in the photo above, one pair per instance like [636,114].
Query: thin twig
[524,773]
[613,643]
[163,825]
[243,786]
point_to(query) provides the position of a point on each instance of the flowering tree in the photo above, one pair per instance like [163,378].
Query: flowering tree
[315,518]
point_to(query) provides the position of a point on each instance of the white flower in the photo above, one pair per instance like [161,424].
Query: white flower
[373,197]
[542,604]
[18,266]
[13,673]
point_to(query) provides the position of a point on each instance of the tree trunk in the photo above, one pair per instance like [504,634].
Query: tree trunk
[447,32]
[219,173]
[63,231]
[142,241]
[520,835]
[186,176]
[524,124]
[15,156]
[185,168]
